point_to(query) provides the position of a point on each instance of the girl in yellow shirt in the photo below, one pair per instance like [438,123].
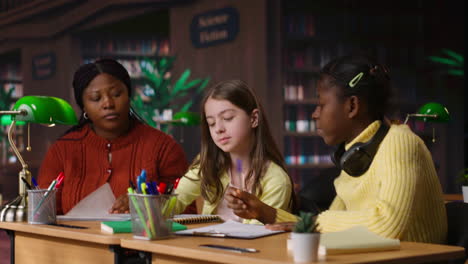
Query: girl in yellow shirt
[388,182]
[237,152]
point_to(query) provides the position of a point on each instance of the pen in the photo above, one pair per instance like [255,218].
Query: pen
[34,182]
[233,249]
[132,185]
[176,183]
[239,173]
[59,180]
[26,183]
[162,187]
[149,212]
[210,234]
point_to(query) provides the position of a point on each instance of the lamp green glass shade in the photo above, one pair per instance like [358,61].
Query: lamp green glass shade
[5,120]
[45,110]
[186,119]
[434,109]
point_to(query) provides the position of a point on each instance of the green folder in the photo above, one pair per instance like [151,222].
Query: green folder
[114,227]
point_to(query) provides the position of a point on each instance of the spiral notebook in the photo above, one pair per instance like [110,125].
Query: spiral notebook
[196,219]
[230,229]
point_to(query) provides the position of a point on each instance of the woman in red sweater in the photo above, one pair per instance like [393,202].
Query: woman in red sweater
[110,143]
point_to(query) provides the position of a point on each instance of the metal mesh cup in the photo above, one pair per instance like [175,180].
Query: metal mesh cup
[41,207]
[151,215]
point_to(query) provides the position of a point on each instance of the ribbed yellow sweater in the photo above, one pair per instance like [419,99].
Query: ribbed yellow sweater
[398,197]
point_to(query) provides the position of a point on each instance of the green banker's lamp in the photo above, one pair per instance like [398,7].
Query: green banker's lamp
[431,112]
[32,109]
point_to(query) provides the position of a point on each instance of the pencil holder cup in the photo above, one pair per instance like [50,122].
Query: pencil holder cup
[151,215]
[41,207]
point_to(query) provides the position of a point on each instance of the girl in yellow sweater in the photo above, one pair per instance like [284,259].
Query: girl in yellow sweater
[391,186]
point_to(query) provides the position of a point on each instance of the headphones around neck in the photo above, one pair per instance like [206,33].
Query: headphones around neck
[358,158]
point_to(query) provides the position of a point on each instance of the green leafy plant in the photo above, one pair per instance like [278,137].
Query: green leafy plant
[463,178]
[306,223]
[453,60]
[161,92]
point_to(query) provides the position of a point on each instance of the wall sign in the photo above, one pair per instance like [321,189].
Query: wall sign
[43,66]
[214,27]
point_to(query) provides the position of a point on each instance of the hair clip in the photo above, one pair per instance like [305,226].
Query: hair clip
[355,80]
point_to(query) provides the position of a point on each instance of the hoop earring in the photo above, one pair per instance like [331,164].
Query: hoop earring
[85,115]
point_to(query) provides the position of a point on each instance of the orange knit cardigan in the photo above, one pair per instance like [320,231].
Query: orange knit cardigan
[84,158]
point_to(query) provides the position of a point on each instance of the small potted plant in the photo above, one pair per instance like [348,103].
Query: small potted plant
[464,182]
[305,238]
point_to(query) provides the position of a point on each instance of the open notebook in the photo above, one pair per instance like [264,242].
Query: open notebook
[230,229]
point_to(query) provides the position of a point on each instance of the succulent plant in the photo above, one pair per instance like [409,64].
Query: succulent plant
[464,177]
[306,223]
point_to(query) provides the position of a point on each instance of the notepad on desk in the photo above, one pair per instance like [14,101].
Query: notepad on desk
[230,229]
[114,227]
[355,240]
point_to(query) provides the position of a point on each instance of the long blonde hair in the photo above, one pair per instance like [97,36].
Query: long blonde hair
[212,161]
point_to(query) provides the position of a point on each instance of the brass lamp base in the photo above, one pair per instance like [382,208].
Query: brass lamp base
[15,211]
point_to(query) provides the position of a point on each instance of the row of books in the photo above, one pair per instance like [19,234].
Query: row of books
[10,71]
[301,159]
[309,25]
[148,47]
[300,151]
[299,119]
[299,87]
[314,57]
[133,66]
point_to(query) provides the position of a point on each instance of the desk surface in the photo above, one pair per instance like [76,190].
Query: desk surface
[453,197]
[273,250]
[91,234]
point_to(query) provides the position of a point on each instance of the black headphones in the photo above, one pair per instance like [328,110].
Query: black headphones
[357,159]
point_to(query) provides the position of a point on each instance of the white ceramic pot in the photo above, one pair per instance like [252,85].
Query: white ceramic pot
[465,193]
[305,246]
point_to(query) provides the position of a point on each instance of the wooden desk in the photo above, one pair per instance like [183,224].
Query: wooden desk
[53,244]
[273,250]
[453,197]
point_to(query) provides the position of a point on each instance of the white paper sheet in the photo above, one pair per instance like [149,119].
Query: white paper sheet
[95,207]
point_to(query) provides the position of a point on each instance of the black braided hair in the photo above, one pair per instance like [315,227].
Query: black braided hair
[373,87]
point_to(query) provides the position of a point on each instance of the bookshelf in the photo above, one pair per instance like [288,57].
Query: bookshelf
[129,41]
[313,33]
[10,73]
[129,51]
[11,78]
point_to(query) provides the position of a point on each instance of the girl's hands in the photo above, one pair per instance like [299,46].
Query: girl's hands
[120,205]
[248,206]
